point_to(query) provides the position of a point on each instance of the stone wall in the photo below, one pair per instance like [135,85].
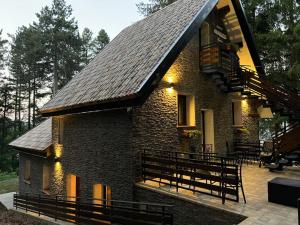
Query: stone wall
[96,147]
[36,173]
[186,211]
[250,122]
[155,122]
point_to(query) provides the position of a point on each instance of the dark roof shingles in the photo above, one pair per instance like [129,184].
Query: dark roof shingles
[120,69]
[38,138]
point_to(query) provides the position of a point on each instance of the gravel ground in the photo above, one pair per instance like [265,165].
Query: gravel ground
[13,218]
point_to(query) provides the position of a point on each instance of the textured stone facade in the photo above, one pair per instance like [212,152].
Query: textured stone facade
[36,173]
[250,122]
[104,147]
[188,212]
[96,147]
[155,122]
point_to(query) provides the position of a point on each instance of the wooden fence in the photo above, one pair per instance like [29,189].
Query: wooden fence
[119,212]
[204,173]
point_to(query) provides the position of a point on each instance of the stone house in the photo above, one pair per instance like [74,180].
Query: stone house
[161,80]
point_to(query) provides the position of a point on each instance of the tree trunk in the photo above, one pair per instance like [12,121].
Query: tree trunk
[34,102]
[29,105]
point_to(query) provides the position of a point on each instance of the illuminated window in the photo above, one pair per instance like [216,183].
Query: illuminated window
[60,131]
[237,113]
[102,194]
[27,174]
[46,178]
[186,110]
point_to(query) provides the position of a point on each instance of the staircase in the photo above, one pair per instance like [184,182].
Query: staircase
[222,64]
[287,141]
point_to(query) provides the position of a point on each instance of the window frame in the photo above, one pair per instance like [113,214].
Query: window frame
[60,131]
[237,117]
[190,110]
[46,188]
[27,171]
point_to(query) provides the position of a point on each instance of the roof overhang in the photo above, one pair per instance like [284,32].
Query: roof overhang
[164,64]
[37,153]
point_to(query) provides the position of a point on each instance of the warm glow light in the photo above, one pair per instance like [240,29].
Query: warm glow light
[58,151]
[170,90]
[170,80]
[58,174]
[245,102]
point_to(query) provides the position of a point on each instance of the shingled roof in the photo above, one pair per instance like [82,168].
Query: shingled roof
[37,139]
[123,68]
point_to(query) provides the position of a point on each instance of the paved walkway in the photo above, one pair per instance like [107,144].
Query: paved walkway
[258,210]
[7,199]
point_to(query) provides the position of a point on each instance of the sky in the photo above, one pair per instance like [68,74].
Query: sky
[111,15]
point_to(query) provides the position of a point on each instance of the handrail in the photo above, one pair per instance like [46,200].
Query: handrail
[98,199]
[223,177]
[191,156]
[78,211]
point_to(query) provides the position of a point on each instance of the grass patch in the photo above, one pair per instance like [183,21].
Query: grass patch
[7,176]
[9,182]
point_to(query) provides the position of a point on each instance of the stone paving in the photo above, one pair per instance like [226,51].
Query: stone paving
[258,210]
[7,199]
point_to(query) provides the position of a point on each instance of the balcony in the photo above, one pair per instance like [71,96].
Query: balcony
[222,63]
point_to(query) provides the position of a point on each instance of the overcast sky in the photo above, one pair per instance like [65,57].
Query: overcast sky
[112,15]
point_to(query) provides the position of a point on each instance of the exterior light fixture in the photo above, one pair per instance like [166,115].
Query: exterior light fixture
[56,159]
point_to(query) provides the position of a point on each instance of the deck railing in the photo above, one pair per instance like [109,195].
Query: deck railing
[299,211]
[203,173]
[217,57]
[120,212]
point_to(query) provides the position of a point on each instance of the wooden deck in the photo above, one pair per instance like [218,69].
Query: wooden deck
[258,210]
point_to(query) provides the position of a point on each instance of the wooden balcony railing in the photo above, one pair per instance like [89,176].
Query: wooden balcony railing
[203,173]
[116,212]
[220,58]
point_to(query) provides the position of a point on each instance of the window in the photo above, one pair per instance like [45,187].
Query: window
[27,175]
[102,194]
[60,131]
[186,110]
[237,113]
[46,178]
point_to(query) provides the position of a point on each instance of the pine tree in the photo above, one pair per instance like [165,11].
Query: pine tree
[152,6]
[101,41]
[61,42]
[88,46]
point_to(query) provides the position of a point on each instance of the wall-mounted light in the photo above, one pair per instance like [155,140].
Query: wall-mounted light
[57,152]
[56,159]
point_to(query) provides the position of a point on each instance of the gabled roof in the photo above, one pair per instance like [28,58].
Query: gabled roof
[125,66]
[37,139]
[125,72]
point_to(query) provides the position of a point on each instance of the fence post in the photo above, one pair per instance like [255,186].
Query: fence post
[39,204]
[55,214]
[222,181]
[26,201]
[143,167]
[176,167]
[163,215]
[15,201]
[298,211]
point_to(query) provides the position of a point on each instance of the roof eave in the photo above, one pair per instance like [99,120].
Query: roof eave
[150,83]
[248,35]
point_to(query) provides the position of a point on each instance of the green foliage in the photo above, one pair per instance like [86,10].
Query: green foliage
[152,6]
[61,42]
[274,23]
[3,51]
[88,46]
[101,41]
[43,57]
[192,133]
